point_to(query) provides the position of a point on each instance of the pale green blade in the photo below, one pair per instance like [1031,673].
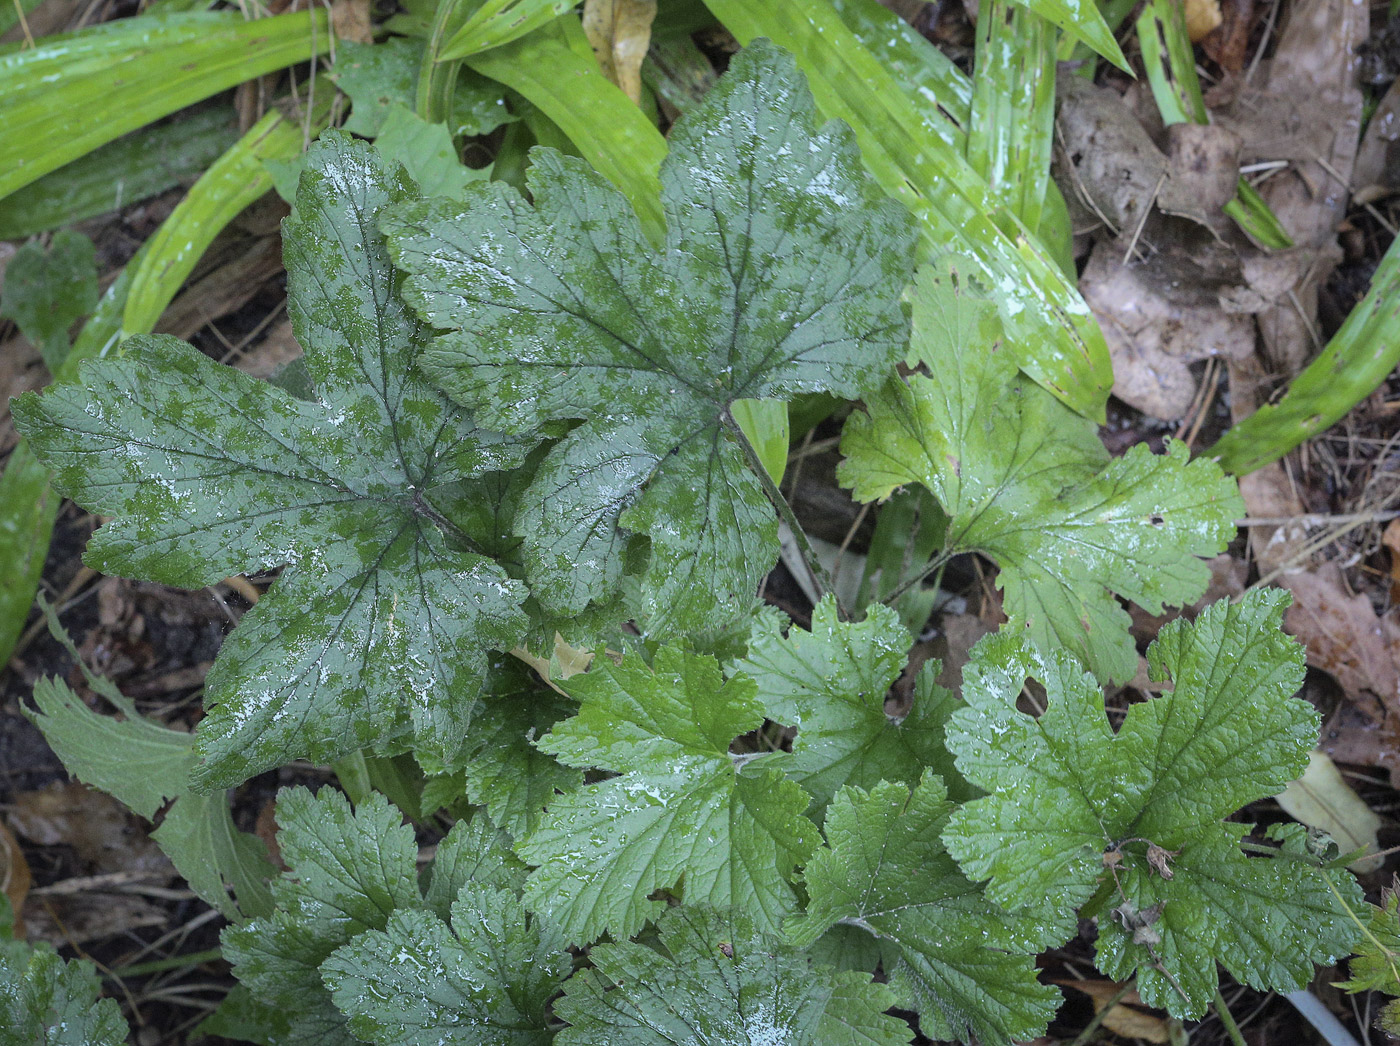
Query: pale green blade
[555,70]
[1358,358]
[1082,20]
[120,76]
[1013,108]
[498,22]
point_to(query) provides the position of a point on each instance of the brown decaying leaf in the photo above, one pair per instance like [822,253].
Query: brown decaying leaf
[620,32]
[1228,44]
[351,21]
[102,833]
[1123,1018]
[14,877]
[1202,16]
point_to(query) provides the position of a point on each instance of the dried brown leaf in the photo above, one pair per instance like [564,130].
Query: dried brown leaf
[620,32]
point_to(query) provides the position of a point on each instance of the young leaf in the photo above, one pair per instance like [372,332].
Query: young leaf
[379,624]
[426,152]
[486,981]
[1136,816]
[46,1000]
[1029,483]
[682,807]
[831,684]
[966,965]
[721,983]
[781,274]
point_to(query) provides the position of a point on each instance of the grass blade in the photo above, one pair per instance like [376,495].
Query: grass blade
[1082,20]
[1358,358]
[114,78]
[498,22]
[555,70]
[140,165]
[1013,107]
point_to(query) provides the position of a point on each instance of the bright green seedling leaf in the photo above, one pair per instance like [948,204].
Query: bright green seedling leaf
[380,624]
[722,983]
[966,965]
[831,683]
[49,1002]
[1135,818]
[681,807]
[426,152]
[45,293]
[781,275]
[349,872]
[1029,483]
[1376,964]
[484,981]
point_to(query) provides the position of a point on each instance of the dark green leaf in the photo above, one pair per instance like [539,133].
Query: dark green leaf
[47,292]
[48,1002]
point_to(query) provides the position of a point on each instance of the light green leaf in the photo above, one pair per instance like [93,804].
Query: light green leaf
[1082,20]
[497,22]
[486,981]
[1027,482]
[45,293]
[831,683]
[563,311]
[47,1001]
[379,625]
[681,808]
[721,983]
[1135,817]
[965,964]
[426,152]
[1376,964]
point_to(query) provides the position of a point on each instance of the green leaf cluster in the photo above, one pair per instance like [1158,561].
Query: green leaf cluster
[46,1000]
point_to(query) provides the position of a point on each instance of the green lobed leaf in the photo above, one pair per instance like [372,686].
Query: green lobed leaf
[964,963]
[349,872]
[1077,810]
[48,1001]
[376,77]
[1376,964]
[721,983]
[681,808]
[46,292]
[1029,483]
[831,683]
[379,624]
[780,275]
[485,981]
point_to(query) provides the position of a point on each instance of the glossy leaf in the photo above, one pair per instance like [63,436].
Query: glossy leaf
[831,683]
[563,311]
[1031,485]
[682,814]
[965,964]
[1135,816]
[721,983]
[497,22]
[484,981]
[379,625]
[46,1000]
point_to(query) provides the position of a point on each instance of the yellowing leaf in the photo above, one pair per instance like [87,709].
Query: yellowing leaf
[620,32]
[1322,799]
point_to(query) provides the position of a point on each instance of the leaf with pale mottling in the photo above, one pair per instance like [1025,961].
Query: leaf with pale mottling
[49,1002]
[780,274]
[682,814]
[380,623]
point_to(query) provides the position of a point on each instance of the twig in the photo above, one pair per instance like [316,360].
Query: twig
[1228,1020]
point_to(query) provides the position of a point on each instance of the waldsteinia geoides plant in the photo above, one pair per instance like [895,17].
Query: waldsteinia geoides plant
[522,427]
